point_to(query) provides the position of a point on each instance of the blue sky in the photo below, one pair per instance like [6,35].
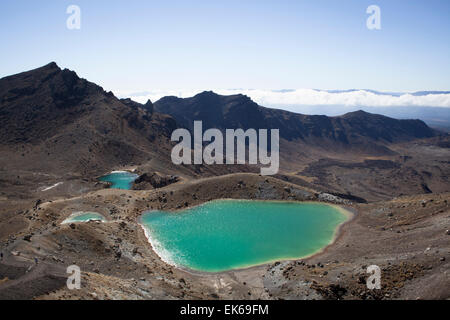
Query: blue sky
[128,46]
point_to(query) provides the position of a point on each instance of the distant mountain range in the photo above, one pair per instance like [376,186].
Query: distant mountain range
[239,111]
[433,107]
[50,118]
[397,94]
[436,117]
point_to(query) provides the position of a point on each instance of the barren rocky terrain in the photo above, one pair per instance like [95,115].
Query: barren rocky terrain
[60,133]
[407,237]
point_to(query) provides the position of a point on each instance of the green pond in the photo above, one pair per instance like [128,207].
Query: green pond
[230,234]
[120,179]
[84,217]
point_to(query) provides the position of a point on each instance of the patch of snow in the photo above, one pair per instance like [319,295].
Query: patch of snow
[53,186]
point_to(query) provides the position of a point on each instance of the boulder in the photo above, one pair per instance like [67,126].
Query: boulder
[153,181]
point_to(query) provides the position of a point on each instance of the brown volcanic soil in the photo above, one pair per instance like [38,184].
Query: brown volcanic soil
[416,167]
[61,132]
[406,237]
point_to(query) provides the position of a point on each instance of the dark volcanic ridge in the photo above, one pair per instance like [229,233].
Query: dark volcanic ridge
[56,126]
[60,132]
[53,119]
[239,111]
[56,109]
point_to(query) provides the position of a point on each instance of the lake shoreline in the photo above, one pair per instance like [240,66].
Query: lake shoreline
[348,212]
[118,251]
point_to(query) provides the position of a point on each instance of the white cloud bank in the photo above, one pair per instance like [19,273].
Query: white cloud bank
[311,97]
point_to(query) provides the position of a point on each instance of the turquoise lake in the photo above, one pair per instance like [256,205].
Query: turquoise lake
[231,234]
[84,217]
[120,180]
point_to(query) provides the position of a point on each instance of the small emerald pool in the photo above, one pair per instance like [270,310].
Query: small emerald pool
[231,234]
[84,217]
[120,179]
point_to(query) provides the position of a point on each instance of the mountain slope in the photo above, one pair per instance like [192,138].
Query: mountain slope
[239,111]
[52,120]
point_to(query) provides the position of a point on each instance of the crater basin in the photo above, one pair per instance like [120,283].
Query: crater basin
[120,179]
[231,234]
